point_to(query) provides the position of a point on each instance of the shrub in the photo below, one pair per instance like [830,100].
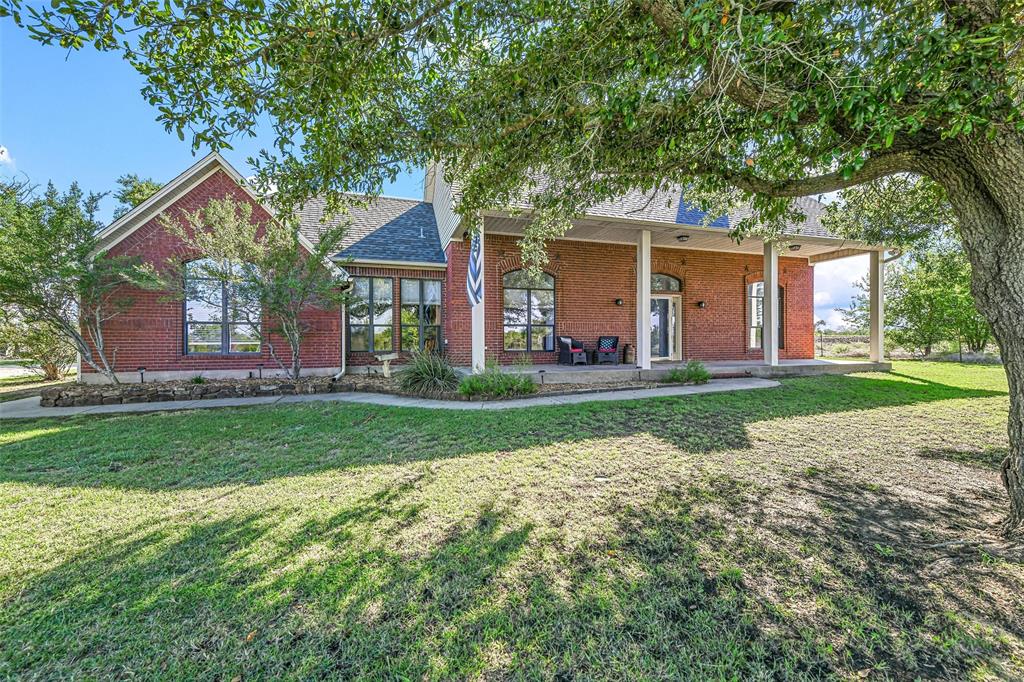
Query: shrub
[694,373]
[428,374]
[198,379]
[493,383]
[48,350]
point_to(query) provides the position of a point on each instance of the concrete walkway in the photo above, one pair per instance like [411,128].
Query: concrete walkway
[28,408]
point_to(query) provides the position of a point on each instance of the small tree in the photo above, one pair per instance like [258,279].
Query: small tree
[47,348]
[132,191]
[275,277]
[52,271]
[927,300]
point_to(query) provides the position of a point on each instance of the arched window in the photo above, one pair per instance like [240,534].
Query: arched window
[755,297]
[220,315]
[665,283]
[529,311]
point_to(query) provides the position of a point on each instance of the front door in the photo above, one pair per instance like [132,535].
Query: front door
[665,327]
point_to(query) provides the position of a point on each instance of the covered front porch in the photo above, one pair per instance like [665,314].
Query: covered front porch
[734,306]
[601,374]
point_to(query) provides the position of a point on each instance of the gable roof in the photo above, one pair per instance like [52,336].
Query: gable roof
[174,190]
[385,229]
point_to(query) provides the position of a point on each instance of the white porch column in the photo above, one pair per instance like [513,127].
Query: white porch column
[876,305]
[770,320]
[479,340]
[643,299]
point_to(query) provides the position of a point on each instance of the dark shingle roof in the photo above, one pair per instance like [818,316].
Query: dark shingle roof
[387,229]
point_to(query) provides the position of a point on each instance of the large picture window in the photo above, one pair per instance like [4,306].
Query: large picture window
[219,316]
[529,311]
[755,309]
[370,315]
[421,314]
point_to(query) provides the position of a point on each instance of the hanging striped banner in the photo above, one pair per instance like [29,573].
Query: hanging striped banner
[475,272]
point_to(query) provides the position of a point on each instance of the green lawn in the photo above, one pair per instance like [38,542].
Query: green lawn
[26,385]
[834,527]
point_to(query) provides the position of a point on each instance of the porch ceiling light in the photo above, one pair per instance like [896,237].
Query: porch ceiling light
[683,238]
[794,247]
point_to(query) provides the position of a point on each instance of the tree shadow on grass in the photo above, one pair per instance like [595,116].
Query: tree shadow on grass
[250,446]
[702,581]
[983,457]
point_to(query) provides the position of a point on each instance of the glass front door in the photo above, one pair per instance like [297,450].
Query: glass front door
[664,327]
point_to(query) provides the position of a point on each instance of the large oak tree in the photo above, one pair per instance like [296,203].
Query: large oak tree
[759,99]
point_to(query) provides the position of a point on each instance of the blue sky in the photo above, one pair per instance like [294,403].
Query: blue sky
[79,116]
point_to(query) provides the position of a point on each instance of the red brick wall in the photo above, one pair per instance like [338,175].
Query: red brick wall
[150,332]
[588,279]
[590,276]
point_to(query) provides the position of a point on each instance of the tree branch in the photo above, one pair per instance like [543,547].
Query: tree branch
[874,168]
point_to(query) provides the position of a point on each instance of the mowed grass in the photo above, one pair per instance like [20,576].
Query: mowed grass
[836,527]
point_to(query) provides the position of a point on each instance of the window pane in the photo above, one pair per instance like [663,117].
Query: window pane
[204,298]
[410,291]
[515,306]
[665,283]
[542,307]
[432,292]
[756,311]
[755,337]
[381,339]
[515,338]
[244,338]
[542,338]
[382,292]
[410,315]
[359,337]
[757,289]
[431,339]
[431,314]
[204,338]
[517,279]
[410,337]
[203,267]
[359,309]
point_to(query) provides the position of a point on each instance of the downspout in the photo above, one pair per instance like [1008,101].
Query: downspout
[344,354]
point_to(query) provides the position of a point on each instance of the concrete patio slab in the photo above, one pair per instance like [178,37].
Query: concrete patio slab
[28,408]
[602,374]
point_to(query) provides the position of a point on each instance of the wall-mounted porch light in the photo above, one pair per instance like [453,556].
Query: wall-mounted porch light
[702,304]
[618,301]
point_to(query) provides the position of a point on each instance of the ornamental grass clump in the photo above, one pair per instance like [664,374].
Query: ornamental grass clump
[694,373]
[428,374]
[493,383]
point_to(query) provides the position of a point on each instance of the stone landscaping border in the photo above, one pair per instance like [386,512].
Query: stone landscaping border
[85,395]
[78,395]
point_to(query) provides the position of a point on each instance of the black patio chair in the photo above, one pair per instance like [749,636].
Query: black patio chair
[607,350]
[570,351]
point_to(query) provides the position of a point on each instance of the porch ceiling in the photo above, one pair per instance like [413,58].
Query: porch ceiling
[701,239]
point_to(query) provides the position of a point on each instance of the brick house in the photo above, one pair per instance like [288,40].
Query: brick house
[645,270]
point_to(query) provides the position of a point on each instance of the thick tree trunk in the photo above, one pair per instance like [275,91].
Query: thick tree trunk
[982,178]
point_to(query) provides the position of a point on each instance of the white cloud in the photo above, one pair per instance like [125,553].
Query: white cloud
[834,287]
[833,320]
[5,157]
